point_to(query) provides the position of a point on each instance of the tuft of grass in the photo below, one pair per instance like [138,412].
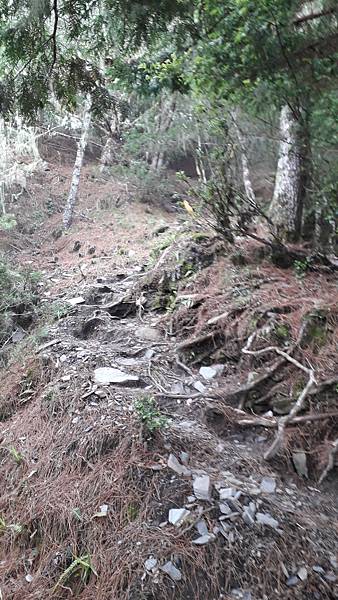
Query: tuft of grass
[148,413]
[81,567]
[17,456]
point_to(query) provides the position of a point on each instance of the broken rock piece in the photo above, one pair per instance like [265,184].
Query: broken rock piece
[266,519]
[176,466]
[268,485]
[208,373]
[177,516]
[107,375]
[299,460]
[202,487]
[170,569]
[204,539]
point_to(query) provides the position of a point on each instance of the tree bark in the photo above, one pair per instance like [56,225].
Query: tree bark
[286,210]
[249,191]
[74,187]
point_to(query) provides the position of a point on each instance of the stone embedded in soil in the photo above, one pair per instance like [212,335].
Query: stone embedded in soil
[150,564]
[75,301]
[29,578]
[300,463]
[148,333]
[107,375]
[176,466]
[198,385]
[226,493]
[292,581]
[204,539]
[202,487]
[170,569]
[177,516]
[266,519]
[302,573]
[268,485]
[225,508]
[202,528]
[208,373]
[248,518]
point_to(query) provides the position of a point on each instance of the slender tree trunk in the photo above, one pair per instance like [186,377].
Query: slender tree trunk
[286,210]
[74,187]
[249,191]
[164,124]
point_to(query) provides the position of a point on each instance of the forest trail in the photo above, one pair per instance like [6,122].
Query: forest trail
[143,487]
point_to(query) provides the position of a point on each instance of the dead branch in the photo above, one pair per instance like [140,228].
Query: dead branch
[283,421]
[273,423]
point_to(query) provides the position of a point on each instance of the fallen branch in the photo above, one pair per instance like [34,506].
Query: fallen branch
[283,421]
[273,423]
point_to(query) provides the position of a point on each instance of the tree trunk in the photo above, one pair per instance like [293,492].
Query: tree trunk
[286,210]
[249,192]
[74,188]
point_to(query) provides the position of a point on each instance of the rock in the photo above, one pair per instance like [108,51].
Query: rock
[148,333]
[198,385]
[266,519]
[177,388]
[219,369]
[302,573]
[318,569]
[77,246]
[226,493]
[299,461]
[204,539]
[107,375]
[202,487]
[29,578]
[225,508]
[330,576]
[248,518]
[170,569]
[292,581]
[150,564]
[191,499]
[184,457]
[176,466]
[177,516]
[202,528]
[208,373]
[268,485]
[75,301]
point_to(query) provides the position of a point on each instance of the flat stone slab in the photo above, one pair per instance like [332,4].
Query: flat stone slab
[108,375]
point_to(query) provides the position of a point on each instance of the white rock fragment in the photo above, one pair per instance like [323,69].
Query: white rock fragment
[208,373]
[148,333]
[150,564]
[177,516]
[268,485]
[225,508]
[302,573]
[170,569]
[176,466]
[226,493]
[202,528]
[199,386]
[29,578]
[202,487]
[204,539]
[266,519]
[107,375]
[75,301]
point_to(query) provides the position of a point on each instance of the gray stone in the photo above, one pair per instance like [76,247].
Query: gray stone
[225,508]
[226,493]
[208,373]
[302,573]
[107,375]
[75,301]
[266,519]
[318,569]
[198,385]
[184,457]
[268,485]
[176,466]
[191,499]
[150,564]
[177,516]
[330,576]
[248,518]
[148,333]
[292,581]
[202,487]
[170,569]
[300,463]
[204,539]
[202,528]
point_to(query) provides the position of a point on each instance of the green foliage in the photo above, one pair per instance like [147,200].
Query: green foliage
[80,567]
[7,222]
[16,455]
[149,415]
[301,267]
